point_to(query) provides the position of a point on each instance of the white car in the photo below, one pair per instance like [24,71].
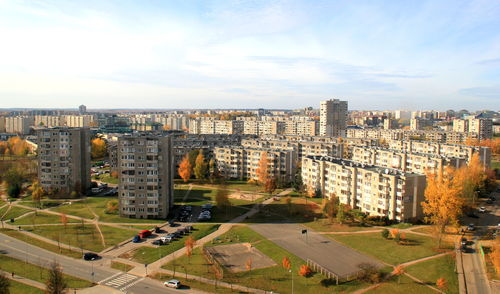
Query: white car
[482,209]
[173,284]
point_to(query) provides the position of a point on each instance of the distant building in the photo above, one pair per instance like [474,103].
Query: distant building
[390,124]
[20,125]
[82,109]
[145,174]
[418,124]
[333,118]
[64,159]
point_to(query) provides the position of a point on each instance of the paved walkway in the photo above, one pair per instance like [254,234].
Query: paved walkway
[23,280]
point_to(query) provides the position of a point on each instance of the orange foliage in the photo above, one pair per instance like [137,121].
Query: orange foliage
[262,170]
[495,255]
[248,264]
[394,233]
[185,168]
[286,263]
[14,146]
[305,270]
[494,144]
[442,284]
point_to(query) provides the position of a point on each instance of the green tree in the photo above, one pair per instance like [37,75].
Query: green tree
[200,168]
[192,155]
[212,170]
[297,184]
[330,206]
[14,179]
[55,283]
[341,214]
[4,284]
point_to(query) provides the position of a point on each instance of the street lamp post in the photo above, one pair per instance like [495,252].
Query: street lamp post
[291,276]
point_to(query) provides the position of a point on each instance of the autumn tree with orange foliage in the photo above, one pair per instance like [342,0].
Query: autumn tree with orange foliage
[495,255]
[189,243]
[442,284]
[305,270]
[262,169]
[443,202]
[248,264]
[64,220]
[286,263]
[398,271]
[185,169]
[98,148]
[270,185]
[494,144]
[14,146]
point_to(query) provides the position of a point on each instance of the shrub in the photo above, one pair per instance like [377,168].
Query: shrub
[385,233]
[305,270]
[370,273]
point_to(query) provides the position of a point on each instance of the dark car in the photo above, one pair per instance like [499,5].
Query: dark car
[472,214]
[189,228]
[489,201]
[464,248]
[136,239]
[157,242]
[471,227]
[172,224]
[90,256]
[463,241]
[157,230]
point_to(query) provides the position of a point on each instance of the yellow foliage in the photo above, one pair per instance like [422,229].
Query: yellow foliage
[98,148]
[185,169]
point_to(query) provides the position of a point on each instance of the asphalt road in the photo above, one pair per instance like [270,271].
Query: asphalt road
[83,269]
[326,252]
[475,276]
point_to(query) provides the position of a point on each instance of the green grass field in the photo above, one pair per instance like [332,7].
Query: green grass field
[43,218]
[405,286]
[14,212]
[121,266]
[146,254]
[85,207]
[36,273]
[20,288]
[274,278]
[431,270]
[42,244]
[85,237]
[193,284]
[106,178]
[43,203]
[388,250]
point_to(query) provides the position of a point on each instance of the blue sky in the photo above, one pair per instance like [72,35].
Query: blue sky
[250,54]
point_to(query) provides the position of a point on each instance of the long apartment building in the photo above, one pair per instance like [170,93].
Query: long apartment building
[447,150]
[411,162]
[236,162]
[302,148]
[64,159]
[434,136]
[20,125]
[145,174]
[377,191]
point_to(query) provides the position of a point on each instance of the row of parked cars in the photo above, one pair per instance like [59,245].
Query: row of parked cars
[206,212]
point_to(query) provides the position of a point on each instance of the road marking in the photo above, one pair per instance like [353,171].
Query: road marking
[121,281]
[109,278]
[131,284]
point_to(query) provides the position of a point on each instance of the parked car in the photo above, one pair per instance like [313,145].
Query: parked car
[136,239]
[482,209]
[157,230]
[463,241]
[471,227]
[95,190]
[169,237]
[489,201]
[90,256]
[165,240]
[145,233]
[173,284]
[463,248]
[172,224]
[158,242]
[207,206]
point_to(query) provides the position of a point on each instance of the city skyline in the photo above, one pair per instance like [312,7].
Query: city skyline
[237,55]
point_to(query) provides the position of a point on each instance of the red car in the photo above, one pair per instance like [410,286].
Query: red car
[145,233]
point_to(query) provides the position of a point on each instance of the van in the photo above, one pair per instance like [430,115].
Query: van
[144,233]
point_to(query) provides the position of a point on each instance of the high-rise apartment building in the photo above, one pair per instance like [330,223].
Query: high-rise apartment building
[19,124]
[82,109]
[333,118]
[145,173]
[64,159]
[483,127]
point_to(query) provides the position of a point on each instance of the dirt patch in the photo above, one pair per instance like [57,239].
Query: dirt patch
[244,196]
[235,256]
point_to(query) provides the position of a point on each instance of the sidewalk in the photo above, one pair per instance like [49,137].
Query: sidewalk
[23,280]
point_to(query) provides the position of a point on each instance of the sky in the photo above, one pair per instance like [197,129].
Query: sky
[250,54]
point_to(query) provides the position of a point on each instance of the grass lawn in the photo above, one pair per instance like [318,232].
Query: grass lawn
[14,212]
[20,288]
[388,250]
[405,286]
[273,278]
[41,244]
[301,210]
[43,218]
[150,254]
[121,266]
[43,203]
[86,237]
[106,178]
[193,284]
[37,273]
[431,270]
[85,207]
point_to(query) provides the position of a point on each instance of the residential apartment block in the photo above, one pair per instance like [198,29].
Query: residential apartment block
[333,118]
[145,174]
[20,125]
[405,161]
[64,159]
[236,162]
[377,191]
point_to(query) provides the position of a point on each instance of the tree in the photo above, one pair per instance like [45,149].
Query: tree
[394,233]
[111,207]
[341,214]
[262,169]
[4,284]
[442,284]
[98,148]
[385,233]
[398,271]
[305,270]
[286,263]
[248,264]
[270,185]
[212,170]
[55,283]
[495,255]
[37,192]
[222,199]
[185,169]
[200,168]
[289,204]
[192,158]
[330,206]
[443,204]
[14,179]
[64,220]
[298,184]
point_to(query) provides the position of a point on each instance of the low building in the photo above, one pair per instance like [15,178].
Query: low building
[376,191]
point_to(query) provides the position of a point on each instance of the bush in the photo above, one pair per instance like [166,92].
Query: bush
[370,273]
[385,233]
[327,282]
[305,270]
[14,191]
